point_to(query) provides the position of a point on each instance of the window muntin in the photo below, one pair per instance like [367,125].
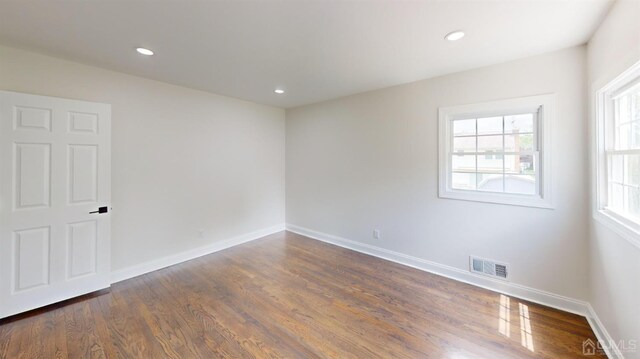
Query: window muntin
[495,154]
[622,130]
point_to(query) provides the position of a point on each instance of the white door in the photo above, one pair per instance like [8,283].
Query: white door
[55,169]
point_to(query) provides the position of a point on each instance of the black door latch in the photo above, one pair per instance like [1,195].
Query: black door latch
[100,210]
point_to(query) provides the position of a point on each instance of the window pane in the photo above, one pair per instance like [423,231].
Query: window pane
[490,182]
[490,125]
[464,127]
[628,136]
[463,181]
[623,110]
[517,143]
[632,195]
[635,135]
[490,143]
[636,106]
[466,163]
[616,197]
[520,184]
[464,144]
[632,170]
[490,164]
[519,164]
[625,169]
[518,123]
[492,156]
[624,136]
[616,171]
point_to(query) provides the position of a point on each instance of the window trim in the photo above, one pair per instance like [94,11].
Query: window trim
[546,119]
[617,222]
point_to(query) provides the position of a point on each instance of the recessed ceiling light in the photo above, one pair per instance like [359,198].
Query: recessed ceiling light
[279,91]
[454,36]
[144,51]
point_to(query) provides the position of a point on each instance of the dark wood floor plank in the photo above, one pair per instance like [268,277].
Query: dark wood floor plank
[408,319]
[288,296]
[386,305]
[7,336]
[59,333]
[267,336]
[321,298]
[82,338]
[286,319]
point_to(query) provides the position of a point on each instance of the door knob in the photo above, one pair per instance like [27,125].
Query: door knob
[100,210]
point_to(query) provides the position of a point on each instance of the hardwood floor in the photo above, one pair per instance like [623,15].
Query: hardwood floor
[290,296]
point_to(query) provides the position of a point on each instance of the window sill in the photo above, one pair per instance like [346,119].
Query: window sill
[497,198]
[604,217]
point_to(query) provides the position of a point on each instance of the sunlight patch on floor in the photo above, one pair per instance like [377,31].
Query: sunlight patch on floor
[526,336]
[504,320]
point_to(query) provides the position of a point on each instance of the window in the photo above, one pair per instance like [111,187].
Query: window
[623,157]
[618,146]
[497,152]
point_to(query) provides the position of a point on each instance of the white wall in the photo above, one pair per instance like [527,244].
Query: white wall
[183,160]
[615,262]
[370,161]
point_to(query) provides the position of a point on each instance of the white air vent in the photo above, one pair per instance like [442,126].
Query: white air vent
[488,267]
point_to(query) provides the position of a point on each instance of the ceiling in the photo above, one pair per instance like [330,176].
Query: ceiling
[315,50]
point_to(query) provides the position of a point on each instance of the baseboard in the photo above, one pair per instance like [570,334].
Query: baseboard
[603,335]
[156,264]
[516,290]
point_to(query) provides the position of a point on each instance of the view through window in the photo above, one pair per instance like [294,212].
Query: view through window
[495,154]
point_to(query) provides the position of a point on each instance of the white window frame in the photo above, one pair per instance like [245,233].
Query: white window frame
[604,116]
[546,107]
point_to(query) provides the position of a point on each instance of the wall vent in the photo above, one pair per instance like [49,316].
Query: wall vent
[488,267]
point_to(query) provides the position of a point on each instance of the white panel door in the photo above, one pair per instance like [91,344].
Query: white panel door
[55,171]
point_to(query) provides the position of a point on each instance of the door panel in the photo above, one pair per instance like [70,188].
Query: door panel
[32,171]
[82,245]
[32,258]
[27,118]
[83,122]
[83,173]
[55,168]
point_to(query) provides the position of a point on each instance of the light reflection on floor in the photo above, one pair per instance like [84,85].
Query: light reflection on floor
[504,321]
[526,336]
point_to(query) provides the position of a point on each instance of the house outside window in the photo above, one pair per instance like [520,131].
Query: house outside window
[497,152]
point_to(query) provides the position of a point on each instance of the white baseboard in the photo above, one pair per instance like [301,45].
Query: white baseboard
[156,264]
[530,294]
[603,335]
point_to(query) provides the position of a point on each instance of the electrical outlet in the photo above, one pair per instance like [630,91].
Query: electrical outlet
[376,233]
